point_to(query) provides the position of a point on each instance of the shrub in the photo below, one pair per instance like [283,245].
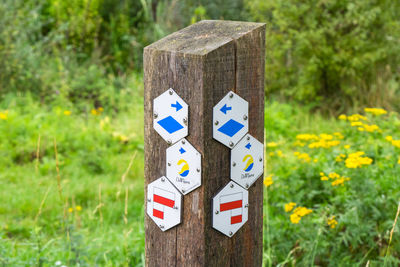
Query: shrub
[331,52]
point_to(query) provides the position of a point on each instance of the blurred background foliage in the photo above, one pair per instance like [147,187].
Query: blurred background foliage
[329,54]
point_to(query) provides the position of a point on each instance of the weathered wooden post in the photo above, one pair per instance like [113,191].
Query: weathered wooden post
[202,63]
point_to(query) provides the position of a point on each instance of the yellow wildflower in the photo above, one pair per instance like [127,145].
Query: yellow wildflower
[271,154]
[371,128]
[321,174]
[396,143]
[356,123]
[324,178]
[315,160]
[389,138]
[324,144]
[78,208]
[303,156]
[268,180]
[4,115]
[272,144]
[279,153]
[340,158]
[361,129]
[70,210]
[342,117]
[355,160]
[302,211]
[97,111]
[333,175]
[375,111]
[398,161]
[67,112]
[356,117]
[307,137]
[298,213]
[298,143]
[347,146]
[324,136]
[332,222]
[338,135]
[289,206]
[294,218]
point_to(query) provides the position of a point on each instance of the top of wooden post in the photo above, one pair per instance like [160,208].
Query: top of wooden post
[204,36]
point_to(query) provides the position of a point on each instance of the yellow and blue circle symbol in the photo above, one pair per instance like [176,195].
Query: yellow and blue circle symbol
[185,168]
[249,162]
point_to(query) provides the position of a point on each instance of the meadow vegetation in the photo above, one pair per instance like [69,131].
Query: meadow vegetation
[71,128]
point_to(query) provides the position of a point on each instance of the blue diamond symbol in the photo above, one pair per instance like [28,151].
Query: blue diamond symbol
[231,128]
[170,124]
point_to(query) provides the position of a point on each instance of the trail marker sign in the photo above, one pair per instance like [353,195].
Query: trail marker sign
[164,203]
[184,166]
[230,209]
[170,116]
[247,161]
[230,119]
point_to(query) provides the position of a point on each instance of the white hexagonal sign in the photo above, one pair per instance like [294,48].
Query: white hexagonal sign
[164,203]
[230,209]
[247,161]
[184,166]
[170,116]
[230,119]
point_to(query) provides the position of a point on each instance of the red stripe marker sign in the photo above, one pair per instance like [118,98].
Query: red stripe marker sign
[164,203]
[230,209]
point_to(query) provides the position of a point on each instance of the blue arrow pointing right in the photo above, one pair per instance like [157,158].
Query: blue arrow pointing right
[177,106]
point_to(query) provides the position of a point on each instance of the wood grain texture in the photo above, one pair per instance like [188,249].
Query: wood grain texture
[202,63]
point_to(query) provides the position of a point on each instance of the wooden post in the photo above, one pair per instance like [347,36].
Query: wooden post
[202,63]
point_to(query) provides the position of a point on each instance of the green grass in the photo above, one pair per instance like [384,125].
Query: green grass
[93,151]
[40,224]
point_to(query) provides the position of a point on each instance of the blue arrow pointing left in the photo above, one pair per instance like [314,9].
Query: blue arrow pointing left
[248,146]
[177,106]
[182,150]
[224,109]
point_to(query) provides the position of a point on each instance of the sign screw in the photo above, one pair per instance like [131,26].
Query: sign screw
[260,159]
[161,226]
[162,179]
[246,206]
[183,190]
[169,142]
[171,92]
[169,163]
[175,207]
[216,212]
[155,115]
[234,164]
[232,185]
[231,95]
[216,122]
[198,169]
[185,121]
[148,200]
[231,143]
[245,117]
[248,138]
[183,142]
[230,233]
[247,185]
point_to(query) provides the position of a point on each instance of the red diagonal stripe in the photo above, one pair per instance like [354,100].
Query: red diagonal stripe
[165,201]
[158,214]
[230,205]
[236,219]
